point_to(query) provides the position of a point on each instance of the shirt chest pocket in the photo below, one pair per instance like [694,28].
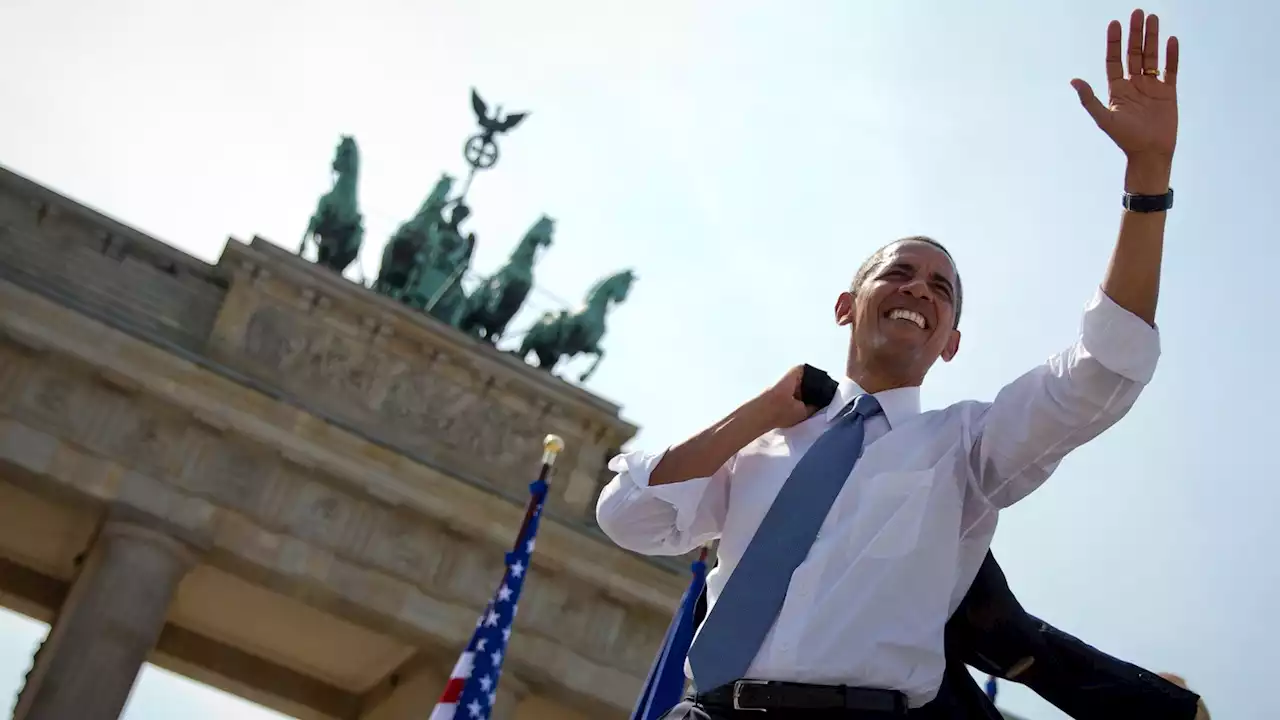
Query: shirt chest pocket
[890,510]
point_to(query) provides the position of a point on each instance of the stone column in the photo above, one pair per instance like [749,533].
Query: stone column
[106,628]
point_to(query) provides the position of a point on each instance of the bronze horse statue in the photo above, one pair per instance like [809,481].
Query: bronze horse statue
[490,308]
[556,335]
[337,228]
[405,251]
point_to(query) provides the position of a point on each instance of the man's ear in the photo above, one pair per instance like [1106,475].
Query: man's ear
[952,347]
[844,309]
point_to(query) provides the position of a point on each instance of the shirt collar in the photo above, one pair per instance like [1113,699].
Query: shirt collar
[899,404]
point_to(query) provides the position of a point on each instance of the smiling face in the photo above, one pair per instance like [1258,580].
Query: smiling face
[903,312]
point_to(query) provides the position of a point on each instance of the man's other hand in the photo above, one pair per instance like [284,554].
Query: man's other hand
[1202,712]
[781,403]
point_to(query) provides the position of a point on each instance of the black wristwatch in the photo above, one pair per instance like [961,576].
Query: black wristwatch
[1148,203]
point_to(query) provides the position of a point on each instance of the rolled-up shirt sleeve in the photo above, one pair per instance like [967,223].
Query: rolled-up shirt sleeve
[1020,438]
[670,519]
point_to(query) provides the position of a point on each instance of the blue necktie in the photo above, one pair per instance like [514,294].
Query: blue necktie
[747,607]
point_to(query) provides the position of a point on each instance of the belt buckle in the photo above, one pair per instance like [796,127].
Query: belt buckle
[737,695]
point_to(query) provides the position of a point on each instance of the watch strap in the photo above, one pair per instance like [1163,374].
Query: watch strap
[1148,203]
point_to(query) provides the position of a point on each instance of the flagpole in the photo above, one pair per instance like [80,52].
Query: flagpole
[473,682]
[552,446]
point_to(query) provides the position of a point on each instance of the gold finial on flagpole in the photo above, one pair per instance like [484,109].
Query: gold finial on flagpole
[552,445]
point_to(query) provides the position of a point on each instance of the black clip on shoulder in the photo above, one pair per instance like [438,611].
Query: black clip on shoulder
[817,389]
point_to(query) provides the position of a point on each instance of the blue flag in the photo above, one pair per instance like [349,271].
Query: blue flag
[665,685]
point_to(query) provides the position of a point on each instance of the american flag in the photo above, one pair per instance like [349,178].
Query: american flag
[473,685]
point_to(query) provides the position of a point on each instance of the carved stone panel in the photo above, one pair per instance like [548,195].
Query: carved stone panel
[141,436]
[318,365]
[402,544]
[50,399]
[237,475]
[470,574]
[319,513]
[432,408]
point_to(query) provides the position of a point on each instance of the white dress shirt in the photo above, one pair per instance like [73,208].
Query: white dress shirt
[905,536]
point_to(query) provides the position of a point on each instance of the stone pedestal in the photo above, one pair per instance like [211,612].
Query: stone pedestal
[108,625]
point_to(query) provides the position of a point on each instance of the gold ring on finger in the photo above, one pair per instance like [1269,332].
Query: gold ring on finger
[1152,73]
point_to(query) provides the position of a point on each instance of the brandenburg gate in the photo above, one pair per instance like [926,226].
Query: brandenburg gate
[284,485]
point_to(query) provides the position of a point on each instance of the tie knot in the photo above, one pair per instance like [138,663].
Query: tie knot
[863,406]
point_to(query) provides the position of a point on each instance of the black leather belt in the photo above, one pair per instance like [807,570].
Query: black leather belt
[763,696]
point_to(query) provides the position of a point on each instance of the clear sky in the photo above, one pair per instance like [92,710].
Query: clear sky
[744,157]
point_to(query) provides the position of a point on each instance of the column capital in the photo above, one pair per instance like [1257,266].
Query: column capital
[126,530]
[148,526]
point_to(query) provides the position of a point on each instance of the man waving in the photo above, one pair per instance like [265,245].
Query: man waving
[849,534]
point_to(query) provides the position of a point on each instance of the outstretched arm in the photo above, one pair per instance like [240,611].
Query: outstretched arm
[1141,117]
[1041,417]
[991,632]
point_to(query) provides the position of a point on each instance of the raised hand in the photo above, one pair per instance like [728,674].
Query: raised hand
[1141,114]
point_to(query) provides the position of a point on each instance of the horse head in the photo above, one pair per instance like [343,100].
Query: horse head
[614,288]
[539,235]
[439,196]
[346,160]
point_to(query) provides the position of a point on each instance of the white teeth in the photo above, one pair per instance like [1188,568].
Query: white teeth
[909,315]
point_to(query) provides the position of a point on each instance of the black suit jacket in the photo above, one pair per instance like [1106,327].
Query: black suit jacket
[991,632]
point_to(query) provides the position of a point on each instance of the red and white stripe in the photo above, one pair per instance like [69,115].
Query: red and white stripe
[448,702]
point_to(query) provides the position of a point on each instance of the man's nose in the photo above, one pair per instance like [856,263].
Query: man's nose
[917,289]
